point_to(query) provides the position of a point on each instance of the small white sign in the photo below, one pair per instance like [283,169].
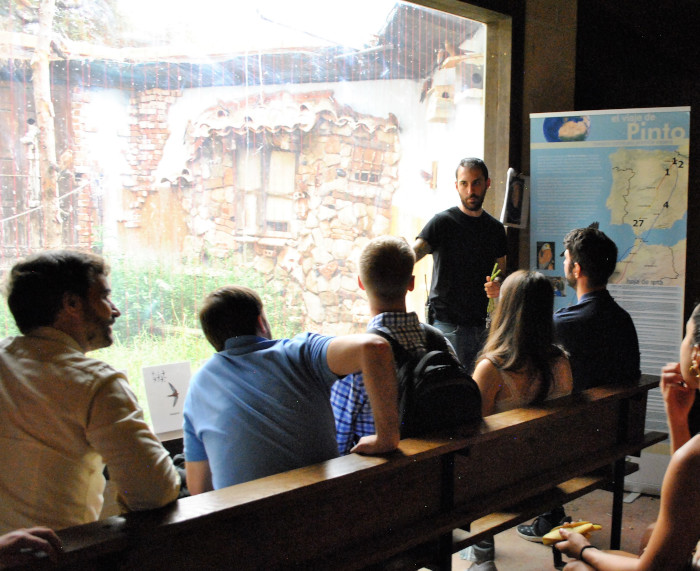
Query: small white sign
[166,387]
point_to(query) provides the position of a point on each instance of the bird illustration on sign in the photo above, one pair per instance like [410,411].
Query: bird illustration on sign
[175,395]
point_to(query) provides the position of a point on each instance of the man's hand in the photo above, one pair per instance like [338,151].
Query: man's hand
[24,545]
[371,445]
[492,287]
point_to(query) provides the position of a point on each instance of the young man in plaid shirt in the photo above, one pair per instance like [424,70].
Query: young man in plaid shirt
[386,274]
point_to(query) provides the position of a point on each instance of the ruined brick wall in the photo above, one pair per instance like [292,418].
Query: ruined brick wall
[81,208]
[345,177]
[149,131]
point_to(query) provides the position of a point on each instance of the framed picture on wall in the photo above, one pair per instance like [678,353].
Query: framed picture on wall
[516,204]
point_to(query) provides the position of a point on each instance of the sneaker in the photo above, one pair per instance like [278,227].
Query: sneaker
[482,552]
[485,566]
[540,527]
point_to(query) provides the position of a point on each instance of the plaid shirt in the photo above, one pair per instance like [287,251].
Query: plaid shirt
[351,407]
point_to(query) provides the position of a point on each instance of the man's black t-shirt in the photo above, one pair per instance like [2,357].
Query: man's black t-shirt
[464,250]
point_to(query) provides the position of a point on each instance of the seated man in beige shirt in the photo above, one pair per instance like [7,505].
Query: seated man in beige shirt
[64,415]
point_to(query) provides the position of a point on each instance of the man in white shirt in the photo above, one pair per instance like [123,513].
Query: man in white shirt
[64,415]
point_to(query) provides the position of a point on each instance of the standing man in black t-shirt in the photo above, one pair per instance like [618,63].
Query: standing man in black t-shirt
[465,242]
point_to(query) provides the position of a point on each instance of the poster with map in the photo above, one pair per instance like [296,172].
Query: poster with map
[627,170]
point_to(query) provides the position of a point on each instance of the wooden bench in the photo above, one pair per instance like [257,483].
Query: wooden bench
[408,508]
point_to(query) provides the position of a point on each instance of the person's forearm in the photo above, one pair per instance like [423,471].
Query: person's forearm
[140,468]
[602,561]
[679,432]
[199,478]
[381,385]
[421,248]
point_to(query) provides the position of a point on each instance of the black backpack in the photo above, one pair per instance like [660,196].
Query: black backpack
[435,391]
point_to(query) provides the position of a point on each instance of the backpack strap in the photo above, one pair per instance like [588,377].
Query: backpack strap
[434,338]
[434,341]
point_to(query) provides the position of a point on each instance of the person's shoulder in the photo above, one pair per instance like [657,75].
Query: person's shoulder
[493,225]
[561,363]
[489,218]
[565,314]
[486,371]
[690,451]
[91,368]
[452,213]
[601,306]
[685,462]
[94,376]
[310,337]
[308,343]
[610,302]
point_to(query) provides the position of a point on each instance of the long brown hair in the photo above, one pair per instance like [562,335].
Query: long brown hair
[521,337]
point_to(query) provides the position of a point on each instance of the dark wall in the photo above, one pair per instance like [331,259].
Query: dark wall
[646,53]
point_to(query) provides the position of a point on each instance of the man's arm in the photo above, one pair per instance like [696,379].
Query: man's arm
[198,477]
[139,466]
[421,248]
[493,288]
[371,355]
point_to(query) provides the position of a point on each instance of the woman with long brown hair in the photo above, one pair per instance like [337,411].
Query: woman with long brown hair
[520,364]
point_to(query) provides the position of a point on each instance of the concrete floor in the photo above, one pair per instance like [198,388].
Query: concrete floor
[516,554]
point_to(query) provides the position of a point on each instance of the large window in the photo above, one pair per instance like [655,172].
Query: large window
[258,142]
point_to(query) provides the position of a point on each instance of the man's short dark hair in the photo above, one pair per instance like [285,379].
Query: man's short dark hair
[386,267]
[473,163]
[594,252]
[229,311]
[37,285]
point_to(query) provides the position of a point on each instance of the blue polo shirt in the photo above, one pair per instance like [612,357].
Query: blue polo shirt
[260,407]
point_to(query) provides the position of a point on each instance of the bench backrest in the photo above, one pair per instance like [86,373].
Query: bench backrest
[357,510]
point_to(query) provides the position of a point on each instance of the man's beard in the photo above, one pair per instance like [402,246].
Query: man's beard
[102,334]
[473,207]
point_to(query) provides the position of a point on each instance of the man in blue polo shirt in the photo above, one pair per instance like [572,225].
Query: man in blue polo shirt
[261,406]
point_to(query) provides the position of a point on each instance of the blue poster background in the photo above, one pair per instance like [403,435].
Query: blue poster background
[627,170]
